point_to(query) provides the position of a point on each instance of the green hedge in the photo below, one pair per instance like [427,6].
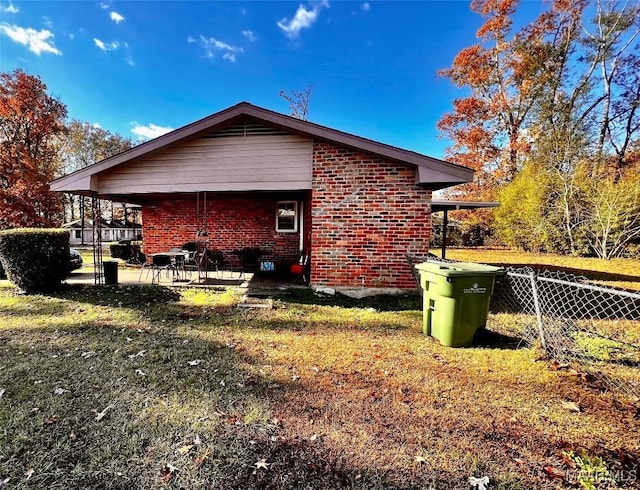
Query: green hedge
[120,251]
[35,259]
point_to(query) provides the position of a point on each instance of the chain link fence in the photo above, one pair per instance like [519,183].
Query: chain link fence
[593,329]
[576,322]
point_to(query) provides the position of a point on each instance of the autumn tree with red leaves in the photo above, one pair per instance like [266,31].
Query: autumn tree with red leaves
[509,74]
[30,120]
[559,98]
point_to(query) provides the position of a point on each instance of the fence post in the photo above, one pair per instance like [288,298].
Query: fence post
[536,302]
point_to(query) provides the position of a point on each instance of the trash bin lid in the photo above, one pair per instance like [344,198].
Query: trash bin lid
[459,269]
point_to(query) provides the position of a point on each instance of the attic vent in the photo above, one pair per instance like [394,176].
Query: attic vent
[246,129]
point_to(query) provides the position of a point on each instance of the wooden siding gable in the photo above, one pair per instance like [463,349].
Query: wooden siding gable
[230,163]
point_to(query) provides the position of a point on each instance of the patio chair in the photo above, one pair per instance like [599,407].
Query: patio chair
[300,270]
[161,263]
[190,260]
[249,260]
[211,260]
[144,264]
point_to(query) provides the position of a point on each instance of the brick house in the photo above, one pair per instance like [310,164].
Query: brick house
[256,178]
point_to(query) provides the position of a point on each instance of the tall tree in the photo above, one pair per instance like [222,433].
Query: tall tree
[84,144]
[560,95]
[30,120]
[508,74]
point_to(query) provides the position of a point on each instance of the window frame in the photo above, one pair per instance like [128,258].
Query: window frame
[296,208]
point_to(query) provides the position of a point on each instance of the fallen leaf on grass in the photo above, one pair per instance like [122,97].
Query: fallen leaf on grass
[60,391]
[557,366]
[167,472]
[568,461]
[138,354]
[182,450]
[571,406]
[200,459]
[100,415]
[34,410]
[140,372]
[262,464]
[29,472]
[88,354]
[420,459]
[196,440]
[480,483]
[553,473]
[52,420]
[2,392]
[314,437]
[195,362]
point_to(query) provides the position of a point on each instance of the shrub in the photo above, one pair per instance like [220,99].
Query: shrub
[35,259]
[121,250]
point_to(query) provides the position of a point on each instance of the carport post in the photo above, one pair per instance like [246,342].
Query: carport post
[445,219]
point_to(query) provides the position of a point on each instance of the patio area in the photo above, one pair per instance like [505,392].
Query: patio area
[132,274]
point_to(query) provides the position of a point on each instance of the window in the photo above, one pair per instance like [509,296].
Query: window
[78,233]
[287,216]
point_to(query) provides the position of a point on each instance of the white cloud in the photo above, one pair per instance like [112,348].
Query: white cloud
[112,46]
[366,6]
[130,61]
[116,17]
[96,125]
[303,19]
[37,41]
[104,5]
[11,9]
[249,35]
[150,131]
[212,45]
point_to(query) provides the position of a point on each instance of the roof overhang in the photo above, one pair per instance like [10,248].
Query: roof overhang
[431,172]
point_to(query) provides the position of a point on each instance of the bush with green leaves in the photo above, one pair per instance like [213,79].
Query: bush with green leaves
[120,251]
[35,259]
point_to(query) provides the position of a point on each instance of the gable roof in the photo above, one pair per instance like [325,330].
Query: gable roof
[432,172]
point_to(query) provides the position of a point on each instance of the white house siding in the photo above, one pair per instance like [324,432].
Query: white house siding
[230,163]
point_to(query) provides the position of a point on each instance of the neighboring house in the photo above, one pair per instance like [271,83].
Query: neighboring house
[255,178]
[110,231]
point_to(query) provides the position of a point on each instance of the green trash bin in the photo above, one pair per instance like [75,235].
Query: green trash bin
[110,272]
[455,299]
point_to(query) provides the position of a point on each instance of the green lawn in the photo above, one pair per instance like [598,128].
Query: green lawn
[623,273]
[150,387]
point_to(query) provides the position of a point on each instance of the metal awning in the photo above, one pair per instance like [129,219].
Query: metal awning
[446,206]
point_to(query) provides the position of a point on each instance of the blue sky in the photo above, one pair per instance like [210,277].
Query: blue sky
[138,68]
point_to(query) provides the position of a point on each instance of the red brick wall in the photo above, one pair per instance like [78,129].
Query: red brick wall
[367,214]
[232,223]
